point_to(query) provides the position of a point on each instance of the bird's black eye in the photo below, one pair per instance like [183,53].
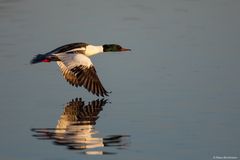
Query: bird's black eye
[118,47]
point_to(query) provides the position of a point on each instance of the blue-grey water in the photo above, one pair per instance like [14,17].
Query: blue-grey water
[176,95]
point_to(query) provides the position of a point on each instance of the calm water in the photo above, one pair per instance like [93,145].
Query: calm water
[175,96]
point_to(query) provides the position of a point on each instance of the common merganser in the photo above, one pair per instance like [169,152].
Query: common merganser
[76,66]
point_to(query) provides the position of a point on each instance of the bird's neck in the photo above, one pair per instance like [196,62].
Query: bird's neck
[93,50]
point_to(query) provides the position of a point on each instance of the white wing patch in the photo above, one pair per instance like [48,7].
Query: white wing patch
[73,60]
[79,75]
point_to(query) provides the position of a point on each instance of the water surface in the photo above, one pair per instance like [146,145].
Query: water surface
[175,96]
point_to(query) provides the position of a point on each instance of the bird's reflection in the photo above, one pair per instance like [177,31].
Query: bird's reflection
[75,129]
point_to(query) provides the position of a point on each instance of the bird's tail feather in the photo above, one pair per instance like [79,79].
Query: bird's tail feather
[40,58]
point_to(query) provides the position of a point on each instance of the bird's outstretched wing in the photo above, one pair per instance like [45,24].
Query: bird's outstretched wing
[78,70]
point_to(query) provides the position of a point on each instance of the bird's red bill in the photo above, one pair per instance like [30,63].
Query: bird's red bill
[125,49]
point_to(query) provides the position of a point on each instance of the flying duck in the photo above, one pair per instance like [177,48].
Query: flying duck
[76,66]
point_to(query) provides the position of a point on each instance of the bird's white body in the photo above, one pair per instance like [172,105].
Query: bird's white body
[93,50]
[73,60]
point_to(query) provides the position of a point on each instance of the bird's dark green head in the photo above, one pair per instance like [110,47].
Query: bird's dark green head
[114,48]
